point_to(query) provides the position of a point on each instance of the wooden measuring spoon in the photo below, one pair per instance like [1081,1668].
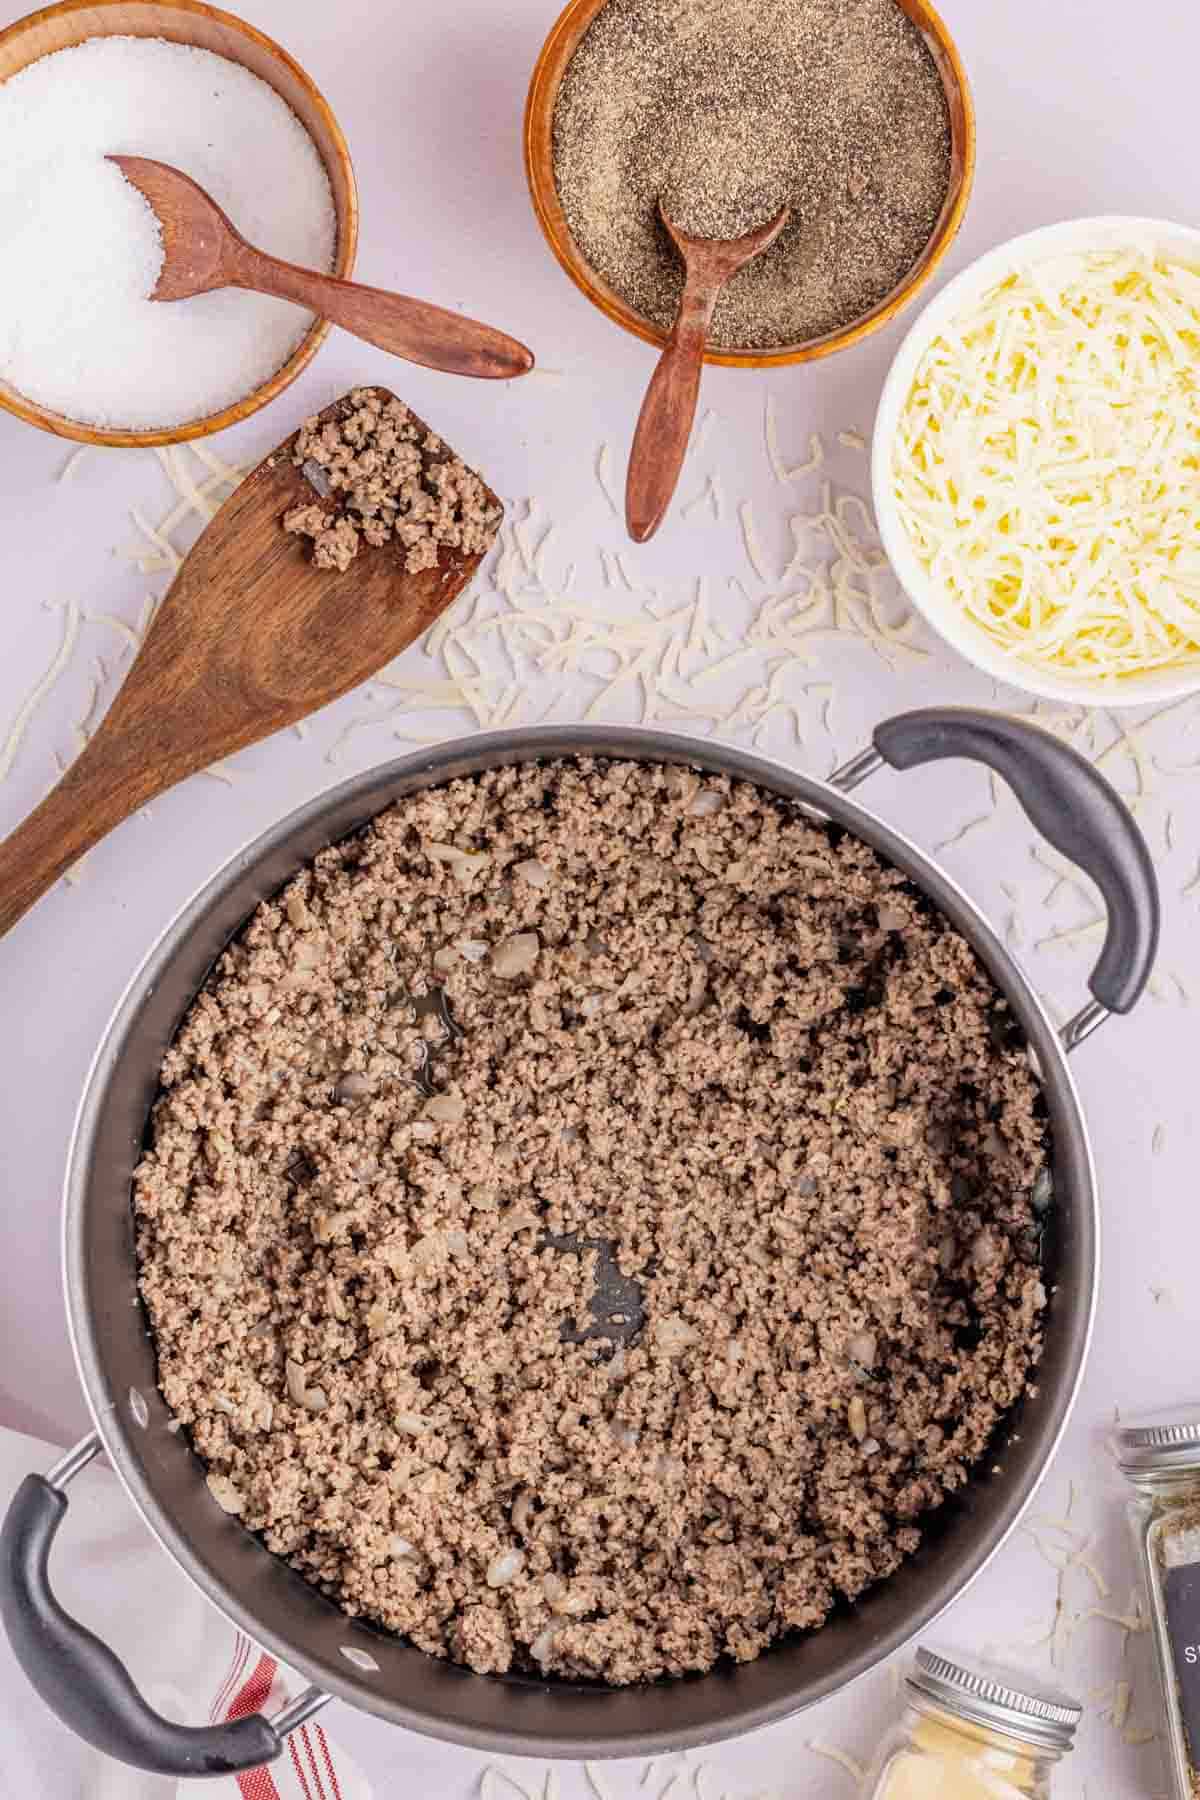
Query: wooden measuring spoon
[251,637]
[202,250]
[669,409]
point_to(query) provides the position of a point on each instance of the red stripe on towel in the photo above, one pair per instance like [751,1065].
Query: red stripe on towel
[256,1784]
[241,1650]
[298,1765]
[312,1763]
[323,1746]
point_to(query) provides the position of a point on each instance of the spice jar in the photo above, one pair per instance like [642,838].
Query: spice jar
[970,1736]
[1161,1459]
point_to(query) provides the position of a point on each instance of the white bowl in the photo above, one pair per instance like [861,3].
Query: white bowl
[941,610]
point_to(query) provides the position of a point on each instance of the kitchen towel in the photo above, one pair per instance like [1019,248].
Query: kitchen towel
[190,1663]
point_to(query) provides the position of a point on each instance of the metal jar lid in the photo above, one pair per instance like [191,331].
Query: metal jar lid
[1166,1445]
[1045,1719]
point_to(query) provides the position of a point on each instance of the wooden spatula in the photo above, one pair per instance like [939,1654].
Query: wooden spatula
[252,636]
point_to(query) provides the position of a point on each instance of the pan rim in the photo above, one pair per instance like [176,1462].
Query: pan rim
[429,768]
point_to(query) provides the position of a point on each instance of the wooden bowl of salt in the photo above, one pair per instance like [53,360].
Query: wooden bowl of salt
[189,22]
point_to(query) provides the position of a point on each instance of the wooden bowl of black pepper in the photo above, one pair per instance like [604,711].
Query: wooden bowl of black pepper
[867,131]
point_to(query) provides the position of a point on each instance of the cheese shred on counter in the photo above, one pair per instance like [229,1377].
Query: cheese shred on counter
[1047,465]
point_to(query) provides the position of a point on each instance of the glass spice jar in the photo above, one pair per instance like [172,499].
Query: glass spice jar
[971,1736]
[1161,1459]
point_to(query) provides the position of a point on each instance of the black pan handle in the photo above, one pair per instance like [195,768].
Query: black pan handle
[1073,807]
[80,1678]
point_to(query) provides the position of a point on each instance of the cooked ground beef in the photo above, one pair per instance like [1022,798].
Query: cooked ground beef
[700,1036]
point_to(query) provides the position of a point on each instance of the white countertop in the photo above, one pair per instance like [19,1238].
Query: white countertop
[1083,108]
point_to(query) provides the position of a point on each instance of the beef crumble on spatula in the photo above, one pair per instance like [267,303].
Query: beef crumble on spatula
[389,478]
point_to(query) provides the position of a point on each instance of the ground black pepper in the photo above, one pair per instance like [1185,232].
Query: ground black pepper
[728,109]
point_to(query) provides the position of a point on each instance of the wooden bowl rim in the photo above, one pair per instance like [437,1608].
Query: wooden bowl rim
[560,45]
[347,222]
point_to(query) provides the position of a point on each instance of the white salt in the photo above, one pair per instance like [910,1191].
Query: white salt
[80,249]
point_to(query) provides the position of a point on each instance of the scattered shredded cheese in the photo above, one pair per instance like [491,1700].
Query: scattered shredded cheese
[25,712]
[604,477]
[82,728]
[623,571]
[958,836]
[500,1774]
[229,473]
[706,425]
[771,433]
[751,540]
[67,472]
[120,626]
[1132,1622]
[842,1758]
[816,456]
[1075,934]
[596,1782]
[1065,874]
[852,440]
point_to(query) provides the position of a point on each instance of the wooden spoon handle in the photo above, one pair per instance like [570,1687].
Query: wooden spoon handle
[668,412]
[414,329]
[94,795]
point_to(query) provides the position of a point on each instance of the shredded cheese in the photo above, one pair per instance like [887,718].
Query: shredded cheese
[1046,462]
[751,540]
[596,1782]
[604,477]
[771,433]
[706,425]
[1076,934]
[25,712]
[67,472]
[220,771]
[958,836]
[816,456]
[842,1758]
